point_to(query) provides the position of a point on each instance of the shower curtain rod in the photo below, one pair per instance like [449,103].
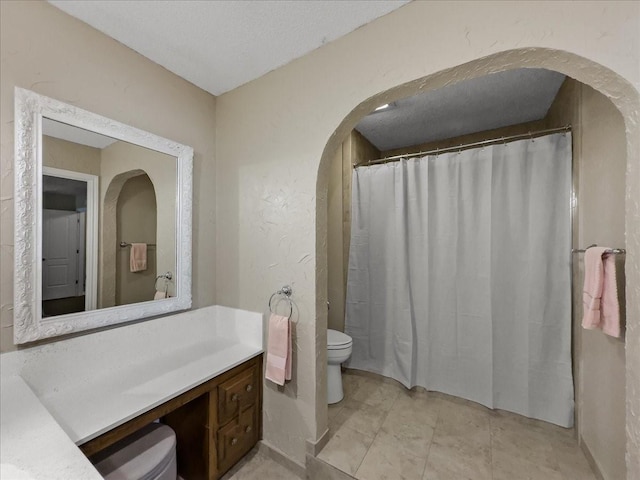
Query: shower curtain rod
[465,146]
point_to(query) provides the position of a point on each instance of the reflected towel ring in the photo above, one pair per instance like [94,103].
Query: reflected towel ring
[167,277]
[286,292]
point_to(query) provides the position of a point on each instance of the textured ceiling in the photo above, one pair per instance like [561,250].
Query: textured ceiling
[485,103]
[220,45]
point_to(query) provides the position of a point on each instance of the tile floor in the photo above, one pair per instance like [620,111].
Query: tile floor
[380,430]
[257,466]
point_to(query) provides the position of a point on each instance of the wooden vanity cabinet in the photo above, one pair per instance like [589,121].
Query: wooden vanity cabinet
[236,428]
[216,423]
[218,428]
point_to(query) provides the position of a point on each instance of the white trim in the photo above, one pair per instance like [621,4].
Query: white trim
[29,325]
[91,246]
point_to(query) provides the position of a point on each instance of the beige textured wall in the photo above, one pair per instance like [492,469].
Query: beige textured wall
[599,184]
[335,245]
[47,51]
[272,172]
[136,219]
[71,156]
[600,210]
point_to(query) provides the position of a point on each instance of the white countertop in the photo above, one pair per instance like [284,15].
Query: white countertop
[87,411]
[50,453]
[60,395]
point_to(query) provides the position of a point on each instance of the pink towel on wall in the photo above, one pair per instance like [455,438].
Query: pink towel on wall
[138,257]
[600,293]
[279,350]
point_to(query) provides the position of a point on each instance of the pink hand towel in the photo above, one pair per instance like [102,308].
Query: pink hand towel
[600,293]
[279,350]
[138,257]
[609,306]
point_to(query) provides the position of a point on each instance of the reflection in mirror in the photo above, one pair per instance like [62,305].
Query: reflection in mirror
[66,273]
[102,232]
[137,196]
[109,222]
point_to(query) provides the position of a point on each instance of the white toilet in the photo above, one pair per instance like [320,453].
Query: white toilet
[339,348]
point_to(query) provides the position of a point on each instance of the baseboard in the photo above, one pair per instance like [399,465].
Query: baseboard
[590,460]
[314,448]
[281,458]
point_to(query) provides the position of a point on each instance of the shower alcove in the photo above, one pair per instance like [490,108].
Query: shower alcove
[599,162]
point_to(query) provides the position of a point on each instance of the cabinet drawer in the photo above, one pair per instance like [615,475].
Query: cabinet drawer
[236,394]
[237,438]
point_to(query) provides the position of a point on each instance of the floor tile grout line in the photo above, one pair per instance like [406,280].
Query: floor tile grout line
[346,399]
[355,474]
[339,468]
[491,446]
[426,462]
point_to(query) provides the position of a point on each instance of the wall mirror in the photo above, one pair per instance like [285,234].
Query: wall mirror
[102,221]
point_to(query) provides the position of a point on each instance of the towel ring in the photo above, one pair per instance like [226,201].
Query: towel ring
[166,283]
[286,292]
[167,277]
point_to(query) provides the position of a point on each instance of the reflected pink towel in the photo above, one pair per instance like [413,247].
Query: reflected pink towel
[138,257]
[600,293]
[279,350]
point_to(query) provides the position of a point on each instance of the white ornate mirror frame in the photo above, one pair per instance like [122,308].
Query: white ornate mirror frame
[29,325]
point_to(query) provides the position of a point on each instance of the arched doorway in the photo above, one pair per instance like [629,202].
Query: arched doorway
[136,219]
[107,291]
[623,96]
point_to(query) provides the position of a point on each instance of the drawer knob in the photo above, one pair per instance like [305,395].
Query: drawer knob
[234,397]
[234,441]
[248,429]
[249,387]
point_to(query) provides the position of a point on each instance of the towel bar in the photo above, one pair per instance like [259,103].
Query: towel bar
[615,251]
[126,244]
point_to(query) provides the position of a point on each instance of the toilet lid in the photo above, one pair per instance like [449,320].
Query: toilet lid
[337,339]
[141,455]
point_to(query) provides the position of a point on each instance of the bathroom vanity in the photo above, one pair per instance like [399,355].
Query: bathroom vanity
[199,371]
[216,423]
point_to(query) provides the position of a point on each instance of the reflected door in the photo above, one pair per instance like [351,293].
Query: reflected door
[60,254]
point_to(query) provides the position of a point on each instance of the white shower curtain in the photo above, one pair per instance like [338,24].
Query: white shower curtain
[459,275]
